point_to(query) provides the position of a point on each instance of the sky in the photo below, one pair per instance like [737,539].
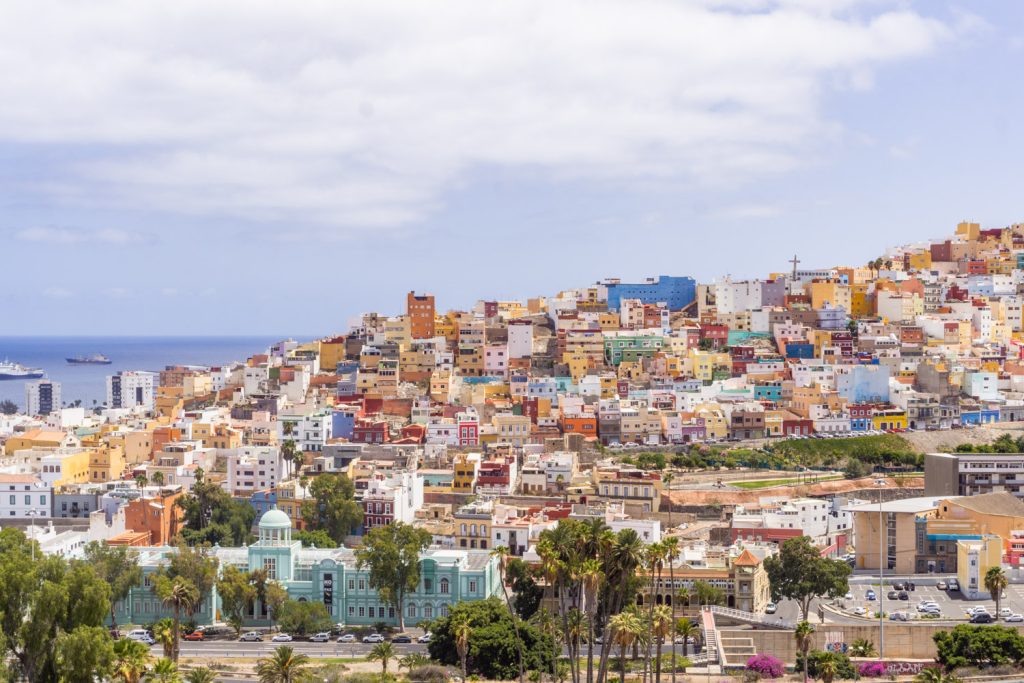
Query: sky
[258,167]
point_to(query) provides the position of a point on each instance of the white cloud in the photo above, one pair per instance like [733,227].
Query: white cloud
[67,236]
[365,113]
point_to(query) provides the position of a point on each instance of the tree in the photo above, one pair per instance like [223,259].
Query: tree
[934,674]
[163,633]
[461,630]
[707,594]
[200,674]
[164,671]
[862,647]
[157,478]
[995,583]
[383,653]
[130,660]
[838,664]
[41,599]
[180,594]
[284,666]
[804,635]
[828,667]
[799,572]
[236,595]
[198,566]
[978,646]
[317,537]
[8,407]
[412,661]
[276,597]
[625,628]
[526,594]
[332,506]
[118,568]
[303,618]
[392,554]
[501,552]
[661,628]
[212,516]
[85,654]
[491,646]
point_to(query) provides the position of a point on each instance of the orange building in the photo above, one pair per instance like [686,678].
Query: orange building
[579,424]
[154,520]
[420,311]
[165,435]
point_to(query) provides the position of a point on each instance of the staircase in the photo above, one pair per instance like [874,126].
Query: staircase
[765,620]
[707,623]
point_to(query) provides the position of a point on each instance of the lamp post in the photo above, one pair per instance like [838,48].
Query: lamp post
[31,514]
[881,573]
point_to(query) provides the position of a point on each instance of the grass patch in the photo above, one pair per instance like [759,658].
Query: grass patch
[766,483]
[856,446]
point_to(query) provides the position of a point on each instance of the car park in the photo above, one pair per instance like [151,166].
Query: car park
[870,595]
[771,608]
[252,637]
[402,638]
[373,638]
[347,638]
[320,637]
[195,635]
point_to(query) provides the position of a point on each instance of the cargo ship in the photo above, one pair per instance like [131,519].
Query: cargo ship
[9,370]
[94,359]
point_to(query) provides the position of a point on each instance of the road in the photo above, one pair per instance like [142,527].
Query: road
[234,648]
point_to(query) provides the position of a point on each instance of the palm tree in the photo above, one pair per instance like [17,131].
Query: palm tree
[686,629]
[157,478]
[996,583]
[803,634]
[828,666]
[461,630]
[671,545]
[661,628]
[575,628]
[623,556]
[591,577]
[655,563]
[412,660]
[862,647]
[501,552]
[163,632]
[284,666]
[625,628]
[180,594]
[165,671]
[201,675]
[289,453]
[130,660]
[935,674]
[384,653]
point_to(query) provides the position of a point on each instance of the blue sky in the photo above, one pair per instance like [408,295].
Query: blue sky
[252,167]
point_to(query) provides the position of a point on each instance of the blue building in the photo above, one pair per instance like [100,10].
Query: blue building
[343,422]
[863,383]
[324,575]
[676,292]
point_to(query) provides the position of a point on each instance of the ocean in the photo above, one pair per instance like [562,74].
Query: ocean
[88,382]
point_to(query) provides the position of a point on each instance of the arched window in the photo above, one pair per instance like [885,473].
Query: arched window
[444,586]
[444,610]
[428,612]
[411,612]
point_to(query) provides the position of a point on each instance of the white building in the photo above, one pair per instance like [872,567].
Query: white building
[131,389]
[735,296]
[392,498]
[24,496]
[520,339]
[252,468]
[310,432]
[42,397]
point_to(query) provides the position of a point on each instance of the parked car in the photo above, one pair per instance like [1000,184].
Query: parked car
[347,638]
[281,638]
[195,635]
[954,585]
[927,604]
[900,586]
[930,609]
[941,585]
[892,595]
[899,616]
[870,595]
[402,638]
[1015,617]
[320,637]
[860,611]
[141,635]
[982,618]
[373,638]
[904,595]
[252,637]
[425,638]
[771,608]
[848,596]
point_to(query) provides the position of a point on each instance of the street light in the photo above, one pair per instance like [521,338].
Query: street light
[31,514]
[881,574]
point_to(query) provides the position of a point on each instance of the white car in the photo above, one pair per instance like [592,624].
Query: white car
[425,638]
[860,611]
[281,638]
[141,635]
[373,638]
[977,610]
[1005,612]
[771,608]
[320,637]
[848,596]
[347,638]
[926,605]
[930,609]
[1015,617]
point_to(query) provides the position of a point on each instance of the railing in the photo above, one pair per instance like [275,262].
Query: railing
[751,618]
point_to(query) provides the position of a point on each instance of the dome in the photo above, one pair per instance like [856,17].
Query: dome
[275,519]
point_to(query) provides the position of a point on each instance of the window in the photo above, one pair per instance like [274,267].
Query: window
[444,586]
[428,585]
[362,611]
[12,500]
[411,612]
[362,584]
[270,566]
[472,586]
[351,584]
[28,500]
[428,612]
[351,611]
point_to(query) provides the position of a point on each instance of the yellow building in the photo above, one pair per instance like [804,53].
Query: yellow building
[716,425]
[136,445]
[512,429]
[332,352]
[968,231]
[897,521]
[399,331]
[465,468]
[66,466]
[861,303]
[920,260]
[830,292]
[889,419]
[973,560]
[440,383]
[42,438]
[107,463]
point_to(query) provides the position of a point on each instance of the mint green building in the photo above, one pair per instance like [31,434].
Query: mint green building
[325,575]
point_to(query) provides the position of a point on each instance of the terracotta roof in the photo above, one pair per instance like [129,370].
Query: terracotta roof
[746,559]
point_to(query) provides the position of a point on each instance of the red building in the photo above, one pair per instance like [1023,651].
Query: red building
[367,431]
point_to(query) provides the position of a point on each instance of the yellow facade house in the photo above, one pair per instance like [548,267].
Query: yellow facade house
[107,463]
